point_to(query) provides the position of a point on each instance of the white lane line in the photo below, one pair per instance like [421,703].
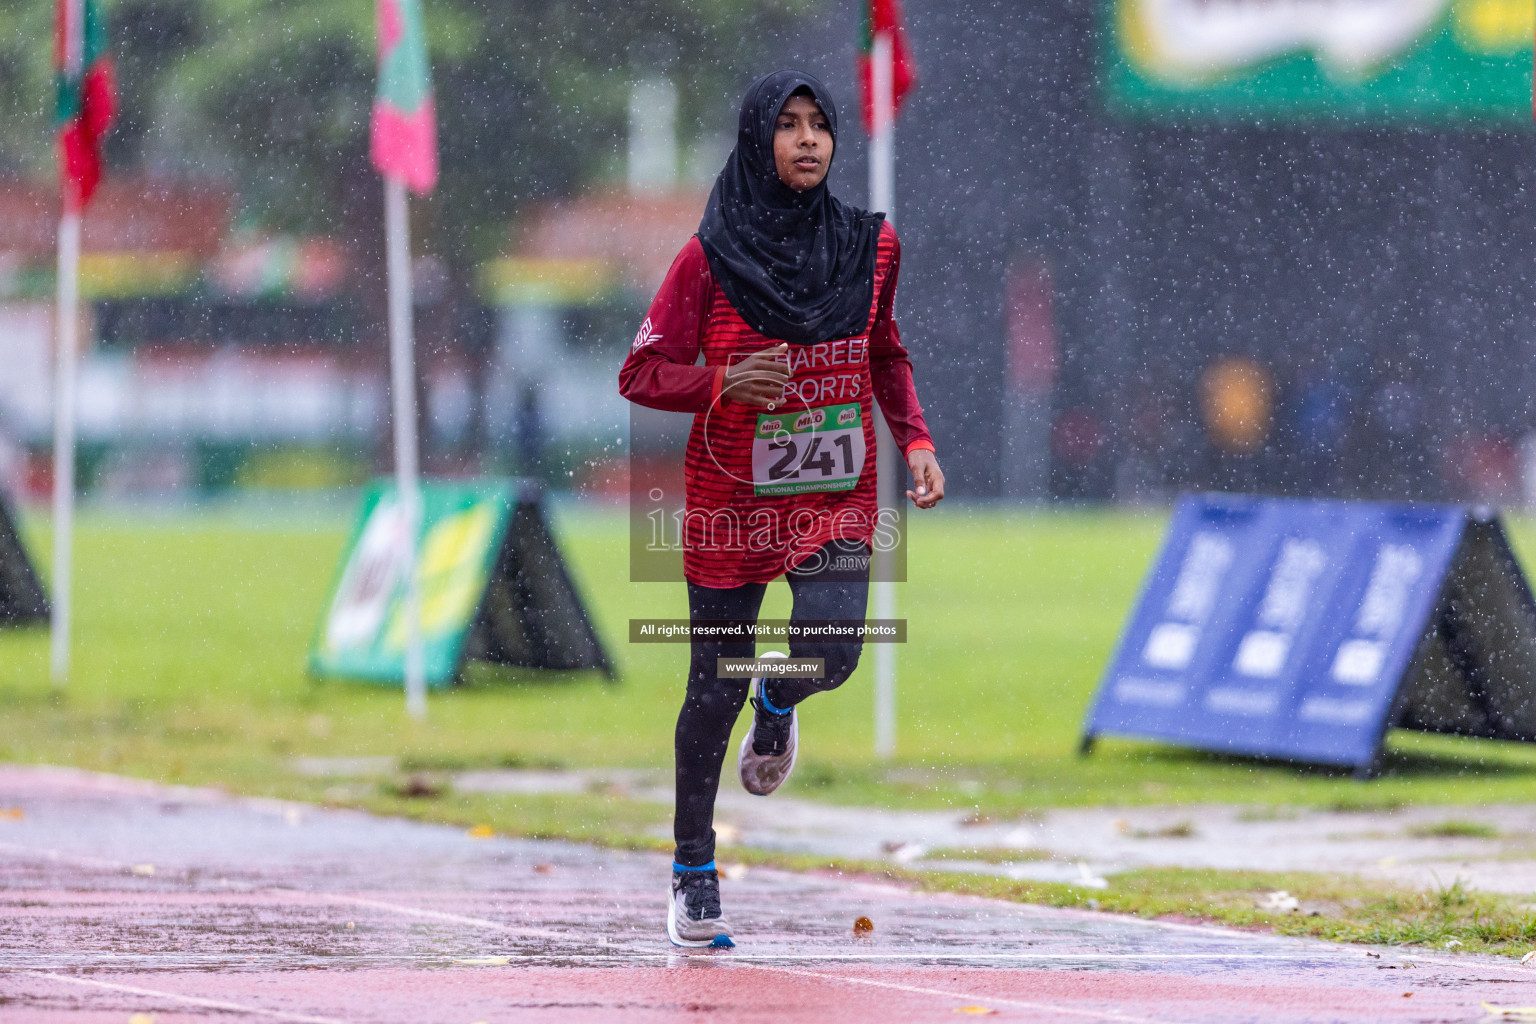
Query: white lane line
[212,1004]
[439,915]
[1095,957]
[58,857]
[21,961]
[969,997]
[1484,962]
[1027,909]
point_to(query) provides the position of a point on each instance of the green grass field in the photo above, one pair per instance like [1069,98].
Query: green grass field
[192,629]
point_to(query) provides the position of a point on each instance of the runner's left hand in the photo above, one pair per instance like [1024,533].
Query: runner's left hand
[928,477]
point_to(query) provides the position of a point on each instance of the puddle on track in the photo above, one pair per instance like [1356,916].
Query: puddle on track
[224,909]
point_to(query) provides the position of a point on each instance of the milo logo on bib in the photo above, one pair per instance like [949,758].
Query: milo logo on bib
[820,449]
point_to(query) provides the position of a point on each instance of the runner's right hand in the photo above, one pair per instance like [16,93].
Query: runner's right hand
[759,378]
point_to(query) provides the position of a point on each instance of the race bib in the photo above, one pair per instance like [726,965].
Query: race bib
[820,449]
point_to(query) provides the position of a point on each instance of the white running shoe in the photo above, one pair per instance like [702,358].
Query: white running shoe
[767,754]
[693,911]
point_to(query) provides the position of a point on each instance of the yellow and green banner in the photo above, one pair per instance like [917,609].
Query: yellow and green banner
[493,588]
[1440,61]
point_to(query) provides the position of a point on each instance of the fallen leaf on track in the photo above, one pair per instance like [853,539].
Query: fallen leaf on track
[974,1010]
[481,832]
[863,926]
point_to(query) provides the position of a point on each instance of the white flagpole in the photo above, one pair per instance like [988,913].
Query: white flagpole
[66,313]
[402,367]
[882,189]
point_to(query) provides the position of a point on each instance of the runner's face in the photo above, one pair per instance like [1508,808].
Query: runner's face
[802,144]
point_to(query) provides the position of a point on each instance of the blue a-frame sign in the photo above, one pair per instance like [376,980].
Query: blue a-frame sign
[1305,629]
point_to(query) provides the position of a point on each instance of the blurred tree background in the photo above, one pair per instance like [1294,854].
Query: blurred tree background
[272,98]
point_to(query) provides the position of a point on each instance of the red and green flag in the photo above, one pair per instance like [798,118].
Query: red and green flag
[404,119]
[885,16]
[85,96]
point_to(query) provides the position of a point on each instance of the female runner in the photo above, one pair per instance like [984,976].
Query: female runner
[788,294]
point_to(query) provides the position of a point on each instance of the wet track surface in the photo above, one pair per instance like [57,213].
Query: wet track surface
[119,897]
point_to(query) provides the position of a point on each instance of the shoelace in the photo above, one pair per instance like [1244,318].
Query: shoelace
[772,728]
[701,894]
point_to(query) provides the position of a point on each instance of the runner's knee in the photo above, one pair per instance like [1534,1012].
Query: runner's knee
[838,663]
[841,661]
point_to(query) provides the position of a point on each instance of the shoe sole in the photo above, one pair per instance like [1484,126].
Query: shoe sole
[746,746]
[718,942]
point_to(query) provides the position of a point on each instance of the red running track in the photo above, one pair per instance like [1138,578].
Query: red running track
[120,897]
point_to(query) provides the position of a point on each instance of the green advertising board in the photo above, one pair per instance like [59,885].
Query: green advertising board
[1434,61]
[493,587]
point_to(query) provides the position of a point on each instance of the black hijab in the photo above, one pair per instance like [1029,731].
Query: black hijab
[797,266]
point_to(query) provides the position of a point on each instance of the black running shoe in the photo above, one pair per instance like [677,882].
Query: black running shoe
[767,753]
[694,917]
[772,732]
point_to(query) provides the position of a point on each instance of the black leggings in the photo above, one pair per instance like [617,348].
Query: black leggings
[823,588]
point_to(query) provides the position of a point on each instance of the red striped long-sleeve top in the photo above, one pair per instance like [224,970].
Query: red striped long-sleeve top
[765,489]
